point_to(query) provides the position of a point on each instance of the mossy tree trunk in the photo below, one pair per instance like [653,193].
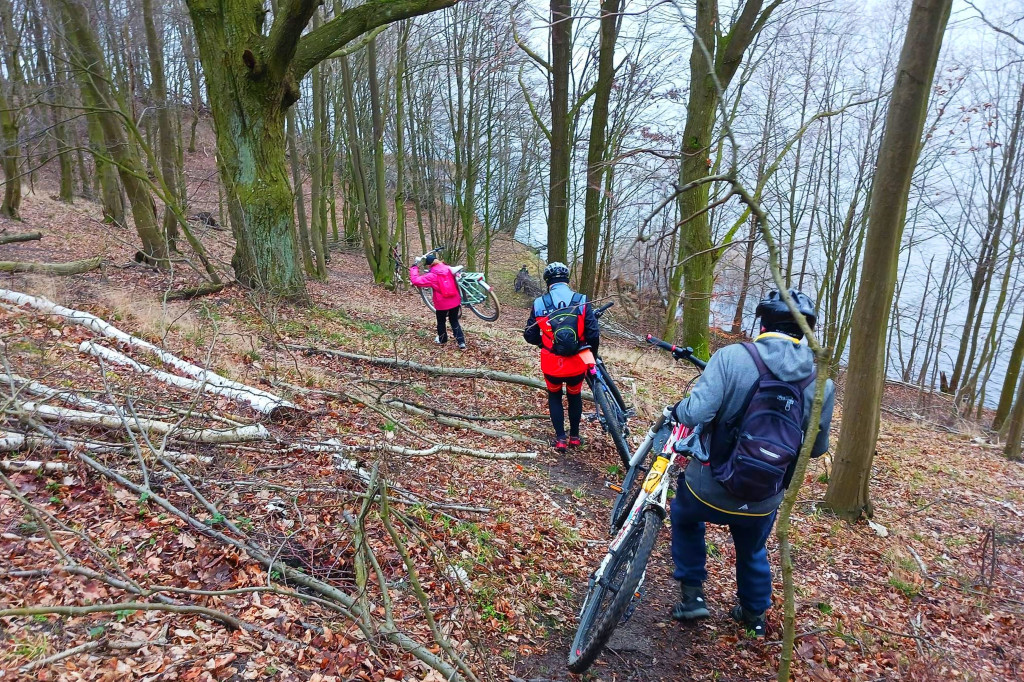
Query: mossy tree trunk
[714,59]
[252,77]
[848,493]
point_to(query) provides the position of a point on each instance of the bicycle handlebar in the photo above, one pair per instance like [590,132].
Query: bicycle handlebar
[685,353]
[600,311]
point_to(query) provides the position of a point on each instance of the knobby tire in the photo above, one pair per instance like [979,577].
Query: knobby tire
[596,623]
[611,419]
[490,317]
[427,294]
[632,484]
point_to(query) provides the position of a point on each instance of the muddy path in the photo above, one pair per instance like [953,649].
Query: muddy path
[650,646]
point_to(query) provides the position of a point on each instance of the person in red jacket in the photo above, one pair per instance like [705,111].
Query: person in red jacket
[563,324]
[446,298]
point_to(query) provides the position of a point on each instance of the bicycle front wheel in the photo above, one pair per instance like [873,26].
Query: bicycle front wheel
[427,294]
[613,591]
[611,418]
[487,309]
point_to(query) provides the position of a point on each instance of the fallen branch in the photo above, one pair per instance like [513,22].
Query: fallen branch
[104,643]
[440,449]
[459,372]
[460,423]
[13,441]
[212,614]
[236,435]
[76,267]
[261,401]
[12,237]
[193,292]
[31,465]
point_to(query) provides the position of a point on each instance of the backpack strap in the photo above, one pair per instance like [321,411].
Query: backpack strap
[755,354]
[578,302]
[549,303]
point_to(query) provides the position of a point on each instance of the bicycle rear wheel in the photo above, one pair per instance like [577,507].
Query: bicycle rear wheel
[611,417]
[612,592]
[427,294]
[487,309]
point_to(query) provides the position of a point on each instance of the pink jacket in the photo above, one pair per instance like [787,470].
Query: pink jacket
[442,281]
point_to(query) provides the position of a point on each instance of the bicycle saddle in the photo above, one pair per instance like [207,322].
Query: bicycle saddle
[692,446]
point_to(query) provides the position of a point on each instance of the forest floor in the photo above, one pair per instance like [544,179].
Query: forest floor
[503,548]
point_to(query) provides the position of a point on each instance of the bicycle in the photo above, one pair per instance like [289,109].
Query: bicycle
[477,294]
[611,410]
[615,588]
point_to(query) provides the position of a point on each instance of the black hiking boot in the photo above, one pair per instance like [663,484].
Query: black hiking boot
[752,622]
[691,604]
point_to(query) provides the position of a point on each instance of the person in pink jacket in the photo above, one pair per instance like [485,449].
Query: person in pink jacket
[447,300]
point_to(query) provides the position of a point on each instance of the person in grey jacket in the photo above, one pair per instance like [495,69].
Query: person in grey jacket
[717,401]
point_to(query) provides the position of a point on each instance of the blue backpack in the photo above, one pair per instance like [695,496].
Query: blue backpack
[765,438]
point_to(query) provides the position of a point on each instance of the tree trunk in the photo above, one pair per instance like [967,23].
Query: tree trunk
[91,71]
[9,114]
[848,492]
[1014,428]
[305,248]
[558,186]
[596,157]
[249,118]
[1009,381]
[712,58]
[382,243]
[168,149]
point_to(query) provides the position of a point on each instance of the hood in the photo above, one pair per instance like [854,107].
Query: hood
[787,360]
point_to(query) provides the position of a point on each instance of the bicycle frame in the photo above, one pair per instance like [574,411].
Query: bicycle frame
[472,286]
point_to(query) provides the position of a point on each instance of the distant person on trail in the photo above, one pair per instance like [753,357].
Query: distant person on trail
[755,401]
[446,298]
[565,328]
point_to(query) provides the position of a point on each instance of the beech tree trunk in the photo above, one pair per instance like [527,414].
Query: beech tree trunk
[712,57]
[90,68]
[596,154]
[848,493]
[9,114]
[167,147]
[558,181]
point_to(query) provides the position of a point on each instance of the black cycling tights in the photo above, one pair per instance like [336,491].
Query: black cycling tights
[558,414]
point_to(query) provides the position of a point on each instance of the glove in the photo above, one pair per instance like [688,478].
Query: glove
[675,410]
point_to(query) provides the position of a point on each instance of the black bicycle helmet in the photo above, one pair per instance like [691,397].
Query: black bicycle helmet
[556,272]
[773,310]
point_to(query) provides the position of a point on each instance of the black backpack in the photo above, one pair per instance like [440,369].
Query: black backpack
[766,438]
[566,325]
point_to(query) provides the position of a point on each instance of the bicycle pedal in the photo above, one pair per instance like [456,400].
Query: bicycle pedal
[616,488]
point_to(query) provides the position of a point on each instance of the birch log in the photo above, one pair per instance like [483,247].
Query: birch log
[261,401]
[106,421]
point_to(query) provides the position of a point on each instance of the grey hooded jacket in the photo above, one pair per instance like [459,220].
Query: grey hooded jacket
[721,392]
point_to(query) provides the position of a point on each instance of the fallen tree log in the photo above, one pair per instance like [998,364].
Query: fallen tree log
[441,448]
[261,401]
[93,419]
[434,370]
[193,292]
[75,267]
[12,237]
[68,397]
[117,358]
[13,441]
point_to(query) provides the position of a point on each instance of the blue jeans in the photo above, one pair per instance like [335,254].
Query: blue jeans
[749,534]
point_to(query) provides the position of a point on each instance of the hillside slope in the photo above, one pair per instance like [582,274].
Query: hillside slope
[501,548]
